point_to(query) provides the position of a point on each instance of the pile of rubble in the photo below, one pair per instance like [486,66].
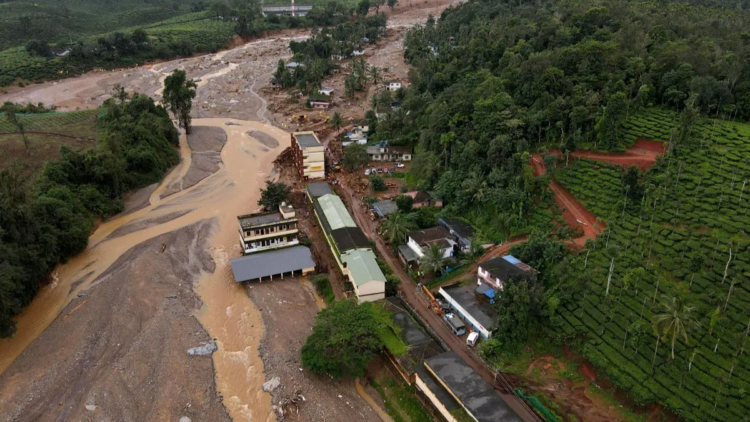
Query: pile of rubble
[286,158]
[289,405]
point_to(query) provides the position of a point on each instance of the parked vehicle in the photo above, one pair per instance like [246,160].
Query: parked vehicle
[455,324]
[367,172]
[380,170]
[471,340]
[400,165]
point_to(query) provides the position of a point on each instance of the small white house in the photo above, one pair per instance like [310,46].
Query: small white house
[393,85]
[326,91]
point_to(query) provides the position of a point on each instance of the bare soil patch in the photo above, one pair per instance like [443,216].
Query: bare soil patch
[119,351]
[280,303]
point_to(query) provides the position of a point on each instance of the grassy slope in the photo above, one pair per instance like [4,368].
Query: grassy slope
[46,147]
[63,21]
[699,205]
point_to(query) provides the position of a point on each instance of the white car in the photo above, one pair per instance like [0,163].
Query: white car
[471,340]
[400,165]
[367,172]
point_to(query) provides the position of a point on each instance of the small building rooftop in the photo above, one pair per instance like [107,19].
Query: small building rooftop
[408,254]
[429,235]
[307,139]
[505,267]
[466,296]
[385,207]
[460,227]
[362,266]
[318,189]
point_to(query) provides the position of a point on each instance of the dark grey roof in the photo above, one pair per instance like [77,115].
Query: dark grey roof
[478,397]
[264,264]
[458,226]
[318,189]
[408,253]
[440,392]
[307,140]
[429,235]
[501,268]
[385,207]
[400,149]
[411,333]
[349,238]
[467,298]
[253,220]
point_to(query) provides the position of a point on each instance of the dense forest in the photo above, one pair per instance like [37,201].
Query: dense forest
[492,80]
[46,221]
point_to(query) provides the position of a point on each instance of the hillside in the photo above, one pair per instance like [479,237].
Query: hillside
[45,135]
[495,82]
[70,20]
[686,237]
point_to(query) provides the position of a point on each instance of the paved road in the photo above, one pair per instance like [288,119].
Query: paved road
[418,300]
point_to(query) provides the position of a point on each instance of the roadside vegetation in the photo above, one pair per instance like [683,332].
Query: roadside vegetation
[47,215]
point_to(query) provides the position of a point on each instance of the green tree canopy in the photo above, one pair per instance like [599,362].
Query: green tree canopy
[274,194]
[178,95]
[355,155]
[396,226]
[520,309]
[344,339]
[433,259]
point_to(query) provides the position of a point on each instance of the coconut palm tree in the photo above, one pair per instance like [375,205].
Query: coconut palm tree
[673,319]
[375,75]
[336,121]
[433,259]
[396,226]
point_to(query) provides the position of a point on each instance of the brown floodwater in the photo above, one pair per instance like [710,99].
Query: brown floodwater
[227,313]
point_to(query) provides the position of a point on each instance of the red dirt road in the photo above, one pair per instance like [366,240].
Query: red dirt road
[643,154]
[574,213]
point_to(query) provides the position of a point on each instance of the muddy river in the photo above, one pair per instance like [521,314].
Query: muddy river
[227,313]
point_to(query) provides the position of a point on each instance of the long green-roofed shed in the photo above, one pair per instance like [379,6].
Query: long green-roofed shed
[335,213]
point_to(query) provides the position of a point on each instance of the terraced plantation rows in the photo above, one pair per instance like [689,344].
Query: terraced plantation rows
[673,239]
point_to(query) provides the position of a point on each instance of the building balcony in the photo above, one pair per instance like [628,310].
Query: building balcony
[281,233]
[254,247]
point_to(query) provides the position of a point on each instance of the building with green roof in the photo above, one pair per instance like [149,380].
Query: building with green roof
[335,212]
[364,273]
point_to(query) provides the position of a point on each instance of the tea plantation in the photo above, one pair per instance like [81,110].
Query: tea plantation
[688,233]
